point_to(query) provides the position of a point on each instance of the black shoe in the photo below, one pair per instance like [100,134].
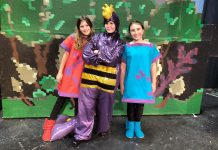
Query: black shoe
[103,134]
[76,143]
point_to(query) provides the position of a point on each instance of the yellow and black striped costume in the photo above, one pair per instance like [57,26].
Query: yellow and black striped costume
[100,77]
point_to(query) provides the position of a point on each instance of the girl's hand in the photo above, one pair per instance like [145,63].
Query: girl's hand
[59,77]
[96,52]
[154,87]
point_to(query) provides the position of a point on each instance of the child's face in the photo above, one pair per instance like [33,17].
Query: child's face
[136,31]
[84,28]
[110,27]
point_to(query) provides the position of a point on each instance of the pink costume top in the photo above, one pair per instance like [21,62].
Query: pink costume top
[70,82]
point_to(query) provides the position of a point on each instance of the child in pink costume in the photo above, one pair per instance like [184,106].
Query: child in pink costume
[69,74]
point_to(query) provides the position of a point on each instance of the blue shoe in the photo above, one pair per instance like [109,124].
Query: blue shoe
[130,129]
[138,131]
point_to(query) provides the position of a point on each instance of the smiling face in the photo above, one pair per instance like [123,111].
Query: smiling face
[136,31]
[84,28]
[110,27]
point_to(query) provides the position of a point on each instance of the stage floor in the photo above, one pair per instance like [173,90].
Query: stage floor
[171,132]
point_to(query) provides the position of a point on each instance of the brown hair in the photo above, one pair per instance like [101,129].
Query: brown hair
[136,22]
[79,43]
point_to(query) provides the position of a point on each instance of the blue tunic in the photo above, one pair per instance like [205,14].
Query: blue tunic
[137,83]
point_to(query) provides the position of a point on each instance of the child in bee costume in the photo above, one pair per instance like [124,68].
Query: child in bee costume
[102,56]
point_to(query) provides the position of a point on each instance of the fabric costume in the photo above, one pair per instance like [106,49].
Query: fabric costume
[138,86]
[69,84]
[68,87]
[99,82]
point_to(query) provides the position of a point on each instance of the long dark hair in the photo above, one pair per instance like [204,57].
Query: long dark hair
[79,36]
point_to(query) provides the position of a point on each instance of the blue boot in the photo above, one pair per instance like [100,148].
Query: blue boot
[138,131]
[130,129]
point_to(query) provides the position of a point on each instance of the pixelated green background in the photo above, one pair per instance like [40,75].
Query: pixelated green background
[43,107]
[177,20]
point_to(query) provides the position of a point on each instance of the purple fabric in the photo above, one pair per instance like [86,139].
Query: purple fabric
[104,111]
[140,44]
[62,129]
[61,119]
[68,71]
[67,94]
[87,111]
[65,47]
[85,116]
[128,100]
[110,50]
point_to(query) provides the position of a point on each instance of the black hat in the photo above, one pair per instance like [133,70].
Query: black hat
[110,15]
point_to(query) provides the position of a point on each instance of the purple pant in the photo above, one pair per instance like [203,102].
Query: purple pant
[92,102]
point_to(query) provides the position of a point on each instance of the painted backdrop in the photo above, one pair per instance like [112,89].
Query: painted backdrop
[32,30]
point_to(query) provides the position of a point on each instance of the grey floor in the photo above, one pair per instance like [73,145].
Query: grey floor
[172,132]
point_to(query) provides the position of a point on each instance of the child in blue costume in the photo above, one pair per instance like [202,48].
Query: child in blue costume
[138,77]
